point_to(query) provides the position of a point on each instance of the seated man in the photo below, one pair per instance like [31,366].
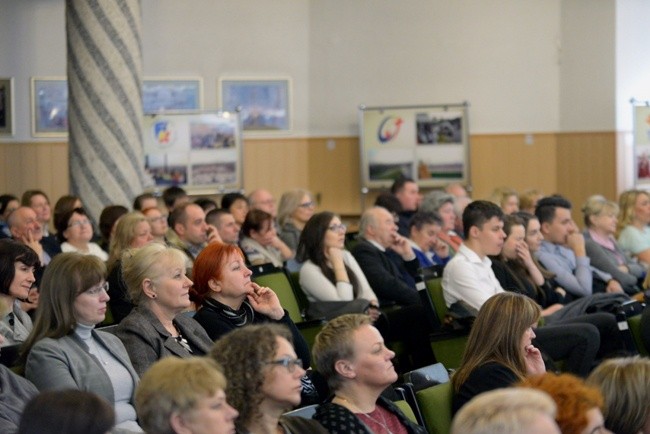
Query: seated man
[406,190]
[25,228]
[40,203]
[225,224]
[188,223]
[145,201]
[392,279]
[423,238]
[173,197]
[263,200]
[563,250]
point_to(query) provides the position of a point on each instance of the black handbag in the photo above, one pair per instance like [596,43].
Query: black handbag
[332,309]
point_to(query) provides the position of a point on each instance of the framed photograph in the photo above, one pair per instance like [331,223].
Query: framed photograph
[171,94]
[264,104]
[49,106]
[6,106]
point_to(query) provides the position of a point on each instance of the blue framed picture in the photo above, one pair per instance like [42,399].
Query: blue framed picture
[264,104]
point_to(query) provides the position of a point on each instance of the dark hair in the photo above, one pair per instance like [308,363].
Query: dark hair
[213,216]
[4,201]
[65,203]
[26,200]
[171,194]
[108,217]
[12,251]
[390,202]
[311,246]
[525,217]
[61,221]
[545,209]
[399,183]
[254,221]
[229,198]
[137,202]
[67,411]
[478,212]
[421,218]
[206,203]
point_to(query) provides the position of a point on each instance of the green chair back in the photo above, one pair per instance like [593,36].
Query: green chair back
[634,323]
[434,286]
[435,404]
[406,409]
[279,282]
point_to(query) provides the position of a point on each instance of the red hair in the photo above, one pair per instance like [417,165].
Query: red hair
[209,265]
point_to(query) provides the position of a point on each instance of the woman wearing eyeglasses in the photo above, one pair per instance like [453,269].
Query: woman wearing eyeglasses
[64,351]
[159,289]
[330,273]
[264,379]
[74,231]
[294,211]
[158,222]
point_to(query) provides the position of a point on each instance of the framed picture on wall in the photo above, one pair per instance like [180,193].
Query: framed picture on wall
[264,104]
[6,106]
[49,101]
[171,94]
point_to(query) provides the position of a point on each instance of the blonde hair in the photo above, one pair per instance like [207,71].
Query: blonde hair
[146,262]
[175,385]
[333,343]
[625,385]
[503,411]
[500,195]
[528,200]
[123,236]
[289,203]
[627,203]
[597,205]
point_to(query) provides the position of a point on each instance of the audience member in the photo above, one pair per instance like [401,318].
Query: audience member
[506,198]
[499,350]
[263,200]
[406,190]
[390,202]
[295,209]
[64,351]
[350,353]
[633,230]
[237,205]
[158,223]
[528,200]
[206,204]
[443,204]
[15,393]
[188,223]
[107,220]
[461,200]
[25,228]
[40,203]
[75,231]
[173,197]
[184,396]
[264,379]
[144,201]
[8,204]
[260,241]
[625,385]
[507,411]
[600,244]
[131,231]
[66,203]
[226,225]
[424,228]
[578,406]
[17,265]
[159,289]
[69,412]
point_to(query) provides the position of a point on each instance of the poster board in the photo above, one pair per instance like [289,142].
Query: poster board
[200,151]
[641,166]
[428,143]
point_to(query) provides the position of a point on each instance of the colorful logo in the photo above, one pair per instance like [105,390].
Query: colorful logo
[163,133]
[389,128]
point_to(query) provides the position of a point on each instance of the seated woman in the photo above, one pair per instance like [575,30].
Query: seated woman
[499,350]
[107,220]
[66,203]
[506,198]
[633,230]
[131,231]
[625,385]
[579,407]
[156,328]
[294,211]
[74,231]
[64,351]
[184,396]
[260,242]
[158,222]
[17,266]
[330,273]
[443,204]
[350,353]
[228,300]
[68,411]
[237,205]
[601,217]
[528,200]
[8,204]
[264,379]
[424,228]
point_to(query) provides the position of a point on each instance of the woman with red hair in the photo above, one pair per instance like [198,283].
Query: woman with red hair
[227,298]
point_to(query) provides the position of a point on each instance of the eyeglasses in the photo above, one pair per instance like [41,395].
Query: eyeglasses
[97,289]
[287,362]
[309,204]
[78,223]
[158,219]
[338,228]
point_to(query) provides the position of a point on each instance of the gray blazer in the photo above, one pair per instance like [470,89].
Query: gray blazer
[146,339]
[65,363]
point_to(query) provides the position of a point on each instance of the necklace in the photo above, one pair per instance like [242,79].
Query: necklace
[360,413]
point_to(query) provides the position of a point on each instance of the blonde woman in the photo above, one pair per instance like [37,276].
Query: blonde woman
[506,198]
[295,209]
[633,230]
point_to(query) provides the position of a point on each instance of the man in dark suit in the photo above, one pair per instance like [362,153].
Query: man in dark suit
[386,258]
[25,228]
